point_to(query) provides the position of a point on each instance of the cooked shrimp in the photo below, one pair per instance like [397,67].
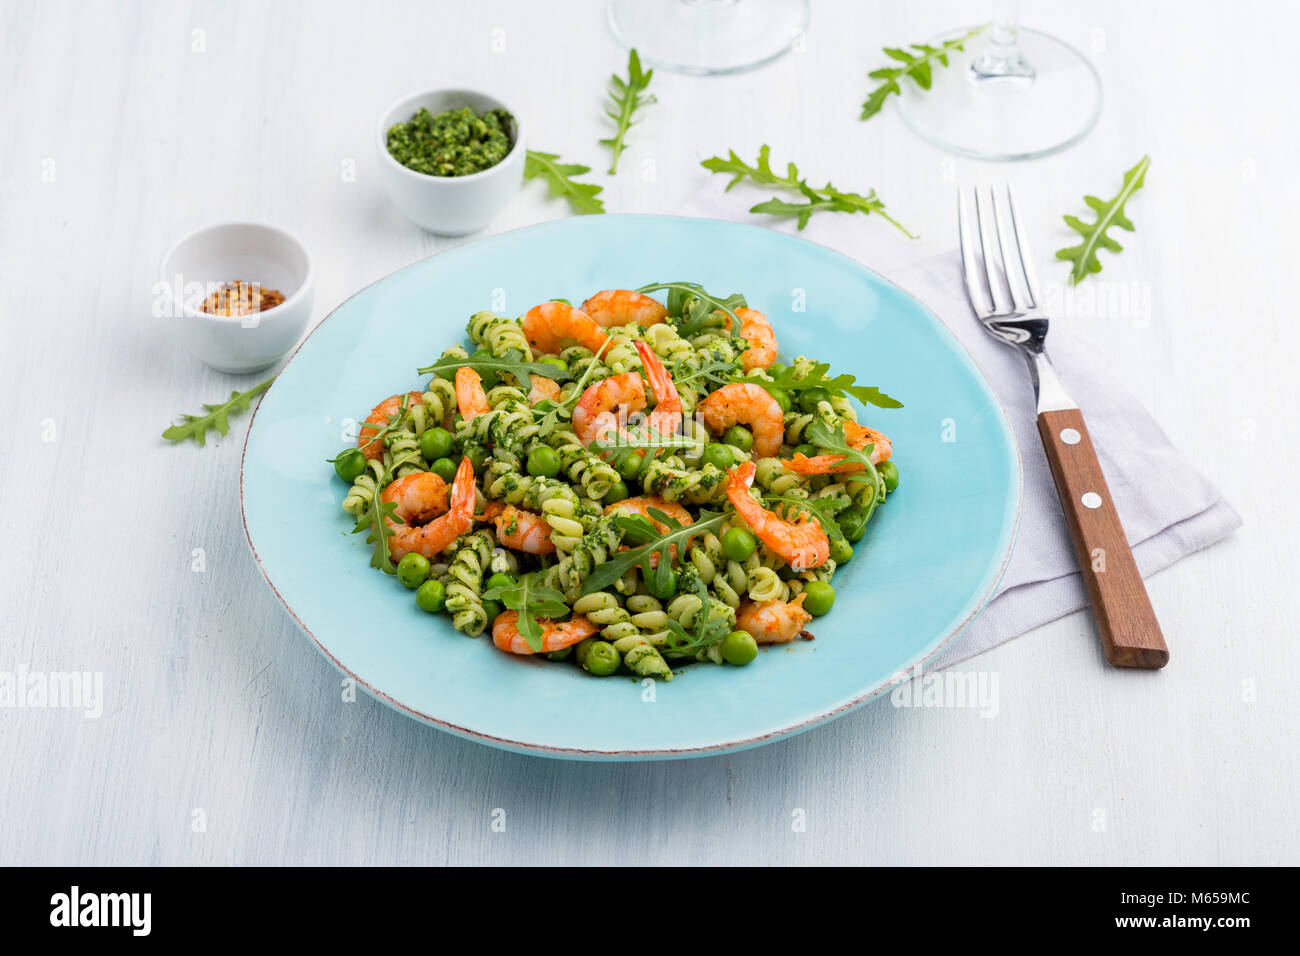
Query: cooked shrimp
[553,326]
[758,332]
[773,622]
[801,543]
[641,505]
[524,531]
[594,416]
[621,306]
[667,416]
[743,403]
[858,436]
[418,497]
[381,415]
[470,397]
[555,637]
[490,511]
[543,388]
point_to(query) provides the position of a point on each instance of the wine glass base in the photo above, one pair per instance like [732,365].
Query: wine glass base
[707,37]
[1012,117]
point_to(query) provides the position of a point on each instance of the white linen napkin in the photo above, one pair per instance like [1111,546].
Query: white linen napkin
[1168,508]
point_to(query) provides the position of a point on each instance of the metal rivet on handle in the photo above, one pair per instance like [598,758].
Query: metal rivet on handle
[1091,499]
[1070,436]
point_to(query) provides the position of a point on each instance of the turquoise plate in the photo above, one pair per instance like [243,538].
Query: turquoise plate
[930,561]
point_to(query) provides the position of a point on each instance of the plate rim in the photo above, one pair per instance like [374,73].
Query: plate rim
[594,754]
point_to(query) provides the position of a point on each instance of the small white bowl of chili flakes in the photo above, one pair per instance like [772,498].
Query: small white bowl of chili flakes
[240,294]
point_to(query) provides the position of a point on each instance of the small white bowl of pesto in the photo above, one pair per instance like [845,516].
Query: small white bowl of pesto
[451,159]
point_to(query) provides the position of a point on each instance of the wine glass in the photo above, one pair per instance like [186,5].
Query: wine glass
[706,37]
[1012,94]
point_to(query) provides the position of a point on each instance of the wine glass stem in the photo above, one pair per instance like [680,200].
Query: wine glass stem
[1001,57]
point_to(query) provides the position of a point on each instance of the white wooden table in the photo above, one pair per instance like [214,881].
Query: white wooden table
[223,737]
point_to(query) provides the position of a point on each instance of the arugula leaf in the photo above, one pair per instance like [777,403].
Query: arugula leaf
[198,426]
[628,98]
[1084,255]
[371,520]
[647,439]
[826,199]
[918,67]
[708,630]
[834,442]
[761,174]
[696,306]
[658,543]
[823,510]
[581,196]
[531,603]
[511,365]
[553,412]
[842,384]
[715,370]
[394,422]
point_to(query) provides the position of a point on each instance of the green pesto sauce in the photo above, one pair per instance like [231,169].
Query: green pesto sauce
[454,143]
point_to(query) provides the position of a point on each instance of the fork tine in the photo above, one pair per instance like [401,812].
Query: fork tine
[1026,254]
[994,264]
[972,265]
[1009,247]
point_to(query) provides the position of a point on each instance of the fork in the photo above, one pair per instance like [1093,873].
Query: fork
[1003,291]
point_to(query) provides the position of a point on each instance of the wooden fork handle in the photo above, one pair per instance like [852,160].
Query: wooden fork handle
[1125,619]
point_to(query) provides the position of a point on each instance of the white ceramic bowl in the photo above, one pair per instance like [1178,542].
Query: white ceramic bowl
[450,205]
[251,252]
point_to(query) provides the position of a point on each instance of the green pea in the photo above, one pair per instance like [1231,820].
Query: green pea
[841,551]
[431,596]
[629,466]
[602,659]
[477,456]
[739,648]
[350,464]
[617,492]
[444,468]
[556,361]
[413,569]
[561,655]
[738,544]
[543,462]
[739,436]
[853,522]
[776,369]
[782,398]
[581,648]
[493,610]
[809,397]
[820,599]
[500,580]
[662,591]
[718,456]
[435,443]
[806,449]
[888,473]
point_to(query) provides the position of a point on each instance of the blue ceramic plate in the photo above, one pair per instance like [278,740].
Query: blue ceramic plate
[929,562]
